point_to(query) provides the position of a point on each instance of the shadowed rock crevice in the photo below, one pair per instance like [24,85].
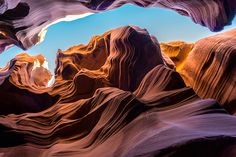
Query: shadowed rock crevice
[19,12]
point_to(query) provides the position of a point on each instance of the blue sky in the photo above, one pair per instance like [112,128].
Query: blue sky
[165,24]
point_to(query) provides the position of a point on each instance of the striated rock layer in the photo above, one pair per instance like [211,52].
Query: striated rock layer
[162,118]
[22,85]
[116,96]
[106,61]
[114,59]
[24,22]
[210,69]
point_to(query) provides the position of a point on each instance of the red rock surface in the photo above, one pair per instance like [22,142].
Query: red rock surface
[108,60]
[22,85]
[23,22]
[210,69]
[116,96]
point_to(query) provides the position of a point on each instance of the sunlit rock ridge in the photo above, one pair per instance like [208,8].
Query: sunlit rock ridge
[24,22]
[120,95]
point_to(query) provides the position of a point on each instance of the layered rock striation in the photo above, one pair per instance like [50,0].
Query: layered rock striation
[116,96]
[23,22]
[23,85]
[208,66]
[210,69]
[113,59]
[162,117]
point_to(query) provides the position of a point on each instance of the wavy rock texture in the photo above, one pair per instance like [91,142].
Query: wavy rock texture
[116,96]
[168,120]
[23,22]
[106,61]
[22,85]
[210,69]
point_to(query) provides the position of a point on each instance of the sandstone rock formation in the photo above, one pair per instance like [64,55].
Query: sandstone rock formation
[208,66]
[114,59]
[24,22]
[168,120]
[210,69]
[116,96]
[177,51]
[23,85]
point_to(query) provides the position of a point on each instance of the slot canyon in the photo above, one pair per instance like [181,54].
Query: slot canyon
[125,93]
